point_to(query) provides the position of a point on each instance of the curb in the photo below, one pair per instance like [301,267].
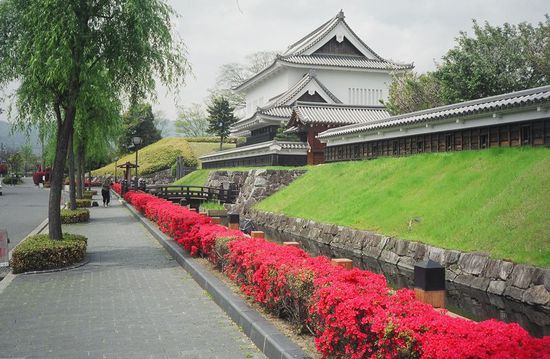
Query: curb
[263,334]
[5,282]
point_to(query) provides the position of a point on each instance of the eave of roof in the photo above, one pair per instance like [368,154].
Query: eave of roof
[316,113]
[467,108]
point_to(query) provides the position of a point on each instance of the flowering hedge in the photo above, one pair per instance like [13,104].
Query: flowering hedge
[117,187]
[352,313]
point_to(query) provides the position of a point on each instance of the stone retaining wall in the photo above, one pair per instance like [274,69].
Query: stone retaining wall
[254,185]
[520,282]
[160,177]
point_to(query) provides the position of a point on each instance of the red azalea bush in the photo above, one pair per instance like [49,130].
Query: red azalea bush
[352,313]
[117,187]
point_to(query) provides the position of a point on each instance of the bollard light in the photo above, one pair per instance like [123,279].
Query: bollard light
[429,283]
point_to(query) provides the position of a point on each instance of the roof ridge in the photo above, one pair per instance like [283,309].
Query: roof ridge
[435,110]
[340,105]
[311,33]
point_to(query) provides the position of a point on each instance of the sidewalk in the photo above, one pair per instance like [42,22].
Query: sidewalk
[132,300]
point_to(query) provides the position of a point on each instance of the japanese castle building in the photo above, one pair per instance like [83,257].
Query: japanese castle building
[327,79]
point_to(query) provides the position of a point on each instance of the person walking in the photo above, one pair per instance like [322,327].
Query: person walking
[106,191]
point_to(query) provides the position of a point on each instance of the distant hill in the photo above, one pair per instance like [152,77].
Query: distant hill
[16,140]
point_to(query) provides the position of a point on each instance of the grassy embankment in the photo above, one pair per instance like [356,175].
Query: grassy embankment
[495,201]
[155,157]
[199,177]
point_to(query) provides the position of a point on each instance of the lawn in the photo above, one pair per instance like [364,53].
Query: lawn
[155,157]
[205,148]
[494,201]
[199,177]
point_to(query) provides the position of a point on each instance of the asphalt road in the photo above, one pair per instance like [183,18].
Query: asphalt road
[22,208]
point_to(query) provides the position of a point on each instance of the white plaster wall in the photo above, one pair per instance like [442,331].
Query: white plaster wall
[260,94]
[340,82]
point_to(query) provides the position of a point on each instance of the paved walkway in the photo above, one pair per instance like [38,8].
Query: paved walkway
[22,208]
[131,301]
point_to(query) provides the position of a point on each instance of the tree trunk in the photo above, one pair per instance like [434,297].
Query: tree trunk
[221,142]
[79,168]
[72,183]
[64,129]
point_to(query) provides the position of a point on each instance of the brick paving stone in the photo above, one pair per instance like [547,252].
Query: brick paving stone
[132,300]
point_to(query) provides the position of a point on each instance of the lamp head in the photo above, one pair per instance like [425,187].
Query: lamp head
[136,140]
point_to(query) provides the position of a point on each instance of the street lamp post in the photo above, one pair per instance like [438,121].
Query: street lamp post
[116,160]
[136,140]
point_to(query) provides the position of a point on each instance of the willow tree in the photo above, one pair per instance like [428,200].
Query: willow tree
[54,48]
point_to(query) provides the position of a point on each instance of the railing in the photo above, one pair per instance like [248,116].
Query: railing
[192,193]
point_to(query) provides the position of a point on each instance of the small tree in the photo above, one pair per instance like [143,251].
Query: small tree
[138,121]
[220,117]
[411,92]
[192,121]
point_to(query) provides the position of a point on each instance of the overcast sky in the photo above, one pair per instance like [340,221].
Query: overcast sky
[421,31]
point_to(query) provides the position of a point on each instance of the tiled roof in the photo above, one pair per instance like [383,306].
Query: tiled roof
[258,149]
[294,55]
[345,61]
[280,106]
[488,104]
[312,113]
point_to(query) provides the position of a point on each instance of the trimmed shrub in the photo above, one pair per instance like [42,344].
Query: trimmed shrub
[87,195]
[83,203]
[11,180]
[77,216]
[93,192]
[41,253]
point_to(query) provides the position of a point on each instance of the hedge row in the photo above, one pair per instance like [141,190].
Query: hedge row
[352,313]
[77,216]
[38,252]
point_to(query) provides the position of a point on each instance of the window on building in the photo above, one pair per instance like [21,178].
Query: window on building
[483,141]
[419,146]
[526,135]
[449,139]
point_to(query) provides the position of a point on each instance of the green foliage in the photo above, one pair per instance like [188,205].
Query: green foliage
[209,139]
[282,136]
[75,216]
[220,118]
[411,92]
[12,179]
[138,121]
[87,195]
[495,201]
[192,121]
[495,60]
[83,203]
[41,253]
[158,156]
[212,205]
[61,50]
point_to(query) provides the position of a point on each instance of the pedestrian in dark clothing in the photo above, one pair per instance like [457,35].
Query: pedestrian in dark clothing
[106,191]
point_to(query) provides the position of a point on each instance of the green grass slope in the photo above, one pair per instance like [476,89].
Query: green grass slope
[205,148]
[199,177]
[495,201]
[155,157]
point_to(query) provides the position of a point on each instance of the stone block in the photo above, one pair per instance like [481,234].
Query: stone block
[420,252]
[401,247]
[260,182]
[497,287]
[406,262]
[542,277]
[436,254]
[389,257]
[514,293]
[472,281]
[522,276]
[473,263]
[537,295]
